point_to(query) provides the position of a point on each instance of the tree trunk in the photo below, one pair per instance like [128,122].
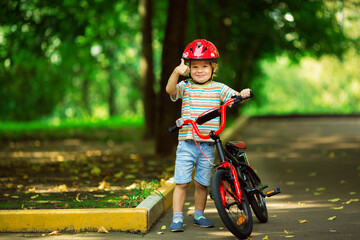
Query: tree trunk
[173,46]
[147,68]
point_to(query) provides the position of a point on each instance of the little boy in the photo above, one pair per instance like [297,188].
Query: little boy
[198,95]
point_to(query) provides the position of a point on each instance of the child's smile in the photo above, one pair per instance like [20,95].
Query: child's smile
[201,71]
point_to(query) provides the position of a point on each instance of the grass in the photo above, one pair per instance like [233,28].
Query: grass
[76,200]
[121,128]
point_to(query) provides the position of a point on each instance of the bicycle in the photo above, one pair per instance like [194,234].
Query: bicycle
[235,185]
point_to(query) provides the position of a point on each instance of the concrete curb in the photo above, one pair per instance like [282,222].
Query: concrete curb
[139,219]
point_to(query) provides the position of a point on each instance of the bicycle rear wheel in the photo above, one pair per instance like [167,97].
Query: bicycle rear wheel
[236,216]
[257,201]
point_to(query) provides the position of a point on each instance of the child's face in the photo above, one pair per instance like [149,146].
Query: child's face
[201,70]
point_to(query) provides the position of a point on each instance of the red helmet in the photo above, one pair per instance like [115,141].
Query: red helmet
[201,49]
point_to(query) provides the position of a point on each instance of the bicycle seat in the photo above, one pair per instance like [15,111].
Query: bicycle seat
[240,145]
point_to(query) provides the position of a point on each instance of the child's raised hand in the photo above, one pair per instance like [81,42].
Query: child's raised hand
[245,93]
[182,69]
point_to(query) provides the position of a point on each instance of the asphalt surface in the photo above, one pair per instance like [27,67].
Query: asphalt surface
[315,162]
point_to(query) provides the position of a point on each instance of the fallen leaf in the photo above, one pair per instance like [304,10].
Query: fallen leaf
[77,198]
[131,187]
[103,185]
[289,170]
[163,227]
[347,202]
[221,228]
[102,230]
[100,196]
[290,183]
[265,238]
[95,171]
[62,188]
[337,208]
[119,174]
[352,193]
[286,231]
[160,233]
[312,174]
[289,236]
[331,218]
[273,216]
[54,233]
[321,189]
[130,176]
[332,155]
[334,200]
[333,230]
[187,203]
[343,181]
[301,203]
[318,193]
[303,221]
[35,196]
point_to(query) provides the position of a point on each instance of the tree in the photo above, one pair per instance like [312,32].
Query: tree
[173,46]
[147,68]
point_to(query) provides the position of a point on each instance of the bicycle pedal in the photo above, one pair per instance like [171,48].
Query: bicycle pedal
[272,192]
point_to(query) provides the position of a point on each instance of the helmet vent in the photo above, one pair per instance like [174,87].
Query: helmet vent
[198,44]
[205,49]
[191,50]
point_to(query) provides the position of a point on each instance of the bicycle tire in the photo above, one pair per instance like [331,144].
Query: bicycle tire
[237,218]
[257,201]
[258,206]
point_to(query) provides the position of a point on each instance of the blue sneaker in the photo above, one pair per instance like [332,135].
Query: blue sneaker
[203,222]
[177,227]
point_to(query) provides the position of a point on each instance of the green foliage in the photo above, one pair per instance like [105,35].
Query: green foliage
[80,59]
[314,86]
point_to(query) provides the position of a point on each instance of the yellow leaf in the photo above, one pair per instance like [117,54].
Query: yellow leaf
[290,183]
[35,196]
[334,200]
[130,176]
[286,232]
[163,227]
[312,174]
[54,233]
[332,155]
[100,196]
[352,193]
[102,230]
[331,218]
[265,238]
[321,189]
[289,236]
[303,221]
[347,202]
[77,198]
[318,193]
[160,233]
[301,203]
[62,188]
[103,185]
[333,230]
[337,208]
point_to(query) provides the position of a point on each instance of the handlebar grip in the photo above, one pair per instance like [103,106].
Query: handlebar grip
[173,129]
[239,98]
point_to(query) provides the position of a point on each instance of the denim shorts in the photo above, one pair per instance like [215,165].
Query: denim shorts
[189,156]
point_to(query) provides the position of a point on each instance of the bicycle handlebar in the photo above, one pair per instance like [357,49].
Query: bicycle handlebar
[208,116]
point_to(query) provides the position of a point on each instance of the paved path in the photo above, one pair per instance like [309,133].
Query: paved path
[312,160]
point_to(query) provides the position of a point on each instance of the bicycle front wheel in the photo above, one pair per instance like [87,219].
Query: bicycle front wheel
[235,215]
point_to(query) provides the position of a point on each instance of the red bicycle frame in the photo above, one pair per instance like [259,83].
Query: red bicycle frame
[224,162]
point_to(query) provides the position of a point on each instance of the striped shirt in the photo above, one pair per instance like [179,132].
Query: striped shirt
[197,99]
